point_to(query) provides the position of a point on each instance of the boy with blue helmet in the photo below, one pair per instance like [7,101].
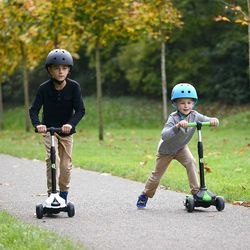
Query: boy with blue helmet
[174,139]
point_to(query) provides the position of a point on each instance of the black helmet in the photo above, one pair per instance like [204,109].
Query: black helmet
[59,56]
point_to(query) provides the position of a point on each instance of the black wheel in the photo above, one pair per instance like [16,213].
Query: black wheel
[70,209]
[39,211]
[190,204]
[219,203]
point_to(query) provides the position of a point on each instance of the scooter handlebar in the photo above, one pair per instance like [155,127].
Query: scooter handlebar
[51,129]
[194,124]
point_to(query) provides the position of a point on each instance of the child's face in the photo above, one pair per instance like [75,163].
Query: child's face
[185,105]
[59,72]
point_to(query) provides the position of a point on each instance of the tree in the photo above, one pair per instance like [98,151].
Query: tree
[240,17]
[32,28]
[103,23]
[20,30]
[157,20]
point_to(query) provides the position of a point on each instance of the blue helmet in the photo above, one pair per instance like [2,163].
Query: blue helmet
[184,90]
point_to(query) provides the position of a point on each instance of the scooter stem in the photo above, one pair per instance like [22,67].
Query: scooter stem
[200,154]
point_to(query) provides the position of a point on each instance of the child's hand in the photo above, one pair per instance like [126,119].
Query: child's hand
[182,124]
[41,128]
[66,128]
[214,122]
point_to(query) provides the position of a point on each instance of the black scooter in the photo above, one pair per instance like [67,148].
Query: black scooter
[204,198]
[54,204]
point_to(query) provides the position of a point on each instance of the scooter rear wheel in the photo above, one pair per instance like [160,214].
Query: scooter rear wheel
[219,203]
[70,209]
[39,211]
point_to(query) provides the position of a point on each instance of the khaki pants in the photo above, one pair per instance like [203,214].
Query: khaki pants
[185,157]
[63,146]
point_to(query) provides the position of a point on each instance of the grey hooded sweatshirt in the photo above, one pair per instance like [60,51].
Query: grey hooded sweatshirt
[172,138]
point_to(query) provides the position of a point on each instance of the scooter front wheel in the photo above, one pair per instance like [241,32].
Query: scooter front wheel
[39,211]
[71,209]
[189,204]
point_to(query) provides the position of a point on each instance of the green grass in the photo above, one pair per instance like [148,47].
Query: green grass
[132,130]
[15,235]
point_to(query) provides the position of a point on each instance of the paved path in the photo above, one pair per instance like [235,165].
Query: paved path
[106,216]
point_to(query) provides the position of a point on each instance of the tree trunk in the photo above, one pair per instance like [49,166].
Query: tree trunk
[26,89]
[1,107]
[163,78]
[99,90]
[248,5]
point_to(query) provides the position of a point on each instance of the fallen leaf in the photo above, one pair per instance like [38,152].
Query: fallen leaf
[41,194]
[237,203]
[207,168]
[246,204]
[143,163]
[242,150]
[164,187]
[225,141]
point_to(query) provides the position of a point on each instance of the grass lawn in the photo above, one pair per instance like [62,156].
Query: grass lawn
[132,130]
[16,235]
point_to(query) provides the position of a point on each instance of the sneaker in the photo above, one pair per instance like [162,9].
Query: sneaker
[142,201]
[64,195]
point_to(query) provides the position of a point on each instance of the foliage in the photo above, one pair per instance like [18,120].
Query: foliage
[230,85]
[234,13]
[19,28]
[143,75]
[154,19]
[203,52]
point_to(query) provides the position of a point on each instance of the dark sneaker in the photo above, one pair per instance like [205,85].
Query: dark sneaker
[142,201]
[64,195]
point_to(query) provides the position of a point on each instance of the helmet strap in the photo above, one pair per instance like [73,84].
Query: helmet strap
[56,81]
[182,116]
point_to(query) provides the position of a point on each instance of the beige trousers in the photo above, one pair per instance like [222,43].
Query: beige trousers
[63,146]
[185,157]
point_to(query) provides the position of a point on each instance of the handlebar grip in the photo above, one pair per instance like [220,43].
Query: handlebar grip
[51,129]
[194,124]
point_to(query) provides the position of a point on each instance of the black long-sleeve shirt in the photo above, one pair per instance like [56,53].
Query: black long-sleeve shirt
[60,107]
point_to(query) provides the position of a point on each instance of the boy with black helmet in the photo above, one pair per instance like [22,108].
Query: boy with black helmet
[62,104]
[174,139]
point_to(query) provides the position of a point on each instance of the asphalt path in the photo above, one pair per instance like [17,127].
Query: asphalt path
[107,218]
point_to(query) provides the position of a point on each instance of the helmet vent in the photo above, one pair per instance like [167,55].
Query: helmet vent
[54,58]
[182,91]
[189,91]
